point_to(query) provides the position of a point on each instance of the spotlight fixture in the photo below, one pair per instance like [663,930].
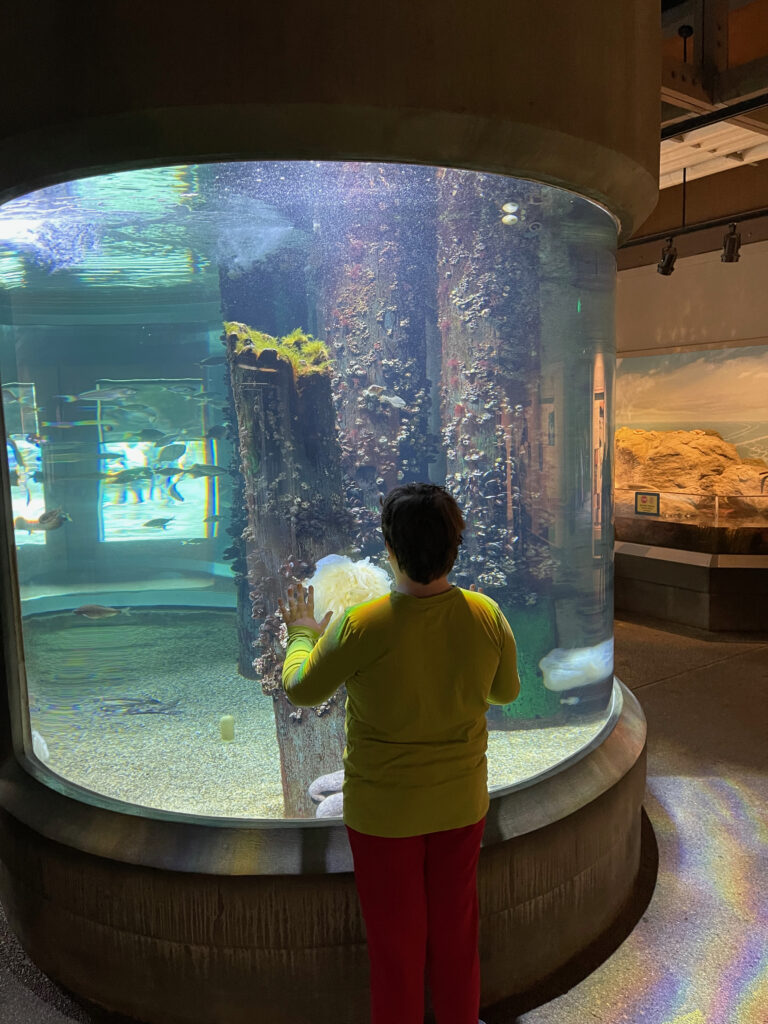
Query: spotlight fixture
[666,264]
[731,245]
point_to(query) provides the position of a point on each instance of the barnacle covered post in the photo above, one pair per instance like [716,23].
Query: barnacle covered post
[290,462]
[374,303]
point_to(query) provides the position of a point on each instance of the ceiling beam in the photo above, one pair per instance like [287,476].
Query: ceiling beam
[741,193]
[684,88]
[741,82]
[713,43]
[731,114]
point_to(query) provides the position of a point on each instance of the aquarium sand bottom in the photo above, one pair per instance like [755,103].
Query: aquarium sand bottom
[165,751]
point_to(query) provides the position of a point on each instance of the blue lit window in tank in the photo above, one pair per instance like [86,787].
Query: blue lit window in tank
[27,493]
[24,461]
[159,481]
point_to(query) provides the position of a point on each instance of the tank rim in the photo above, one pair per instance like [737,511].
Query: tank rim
[227,846]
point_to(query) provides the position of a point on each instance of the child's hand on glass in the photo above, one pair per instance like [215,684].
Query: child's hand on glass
[300,610]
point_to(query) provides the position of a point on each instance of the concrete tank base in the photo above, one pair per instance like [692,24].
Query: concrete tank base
[177,922]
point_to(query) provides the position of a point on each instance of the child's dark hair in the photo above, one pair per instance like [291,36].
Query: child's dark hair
[423,525]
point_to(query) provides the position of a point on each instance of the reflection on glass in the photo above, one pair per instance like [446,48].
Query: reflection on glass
[224,366]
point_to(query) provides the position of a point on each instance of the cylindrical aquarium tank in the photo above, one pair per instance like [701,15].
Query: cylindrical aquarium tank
[211,373]
[256,269]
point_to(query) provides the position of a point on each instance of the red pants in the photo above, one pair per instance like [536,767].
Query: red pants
[419,901]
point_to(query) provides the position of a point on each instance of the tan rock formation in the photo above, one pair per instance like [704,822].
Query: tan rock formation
[687,462]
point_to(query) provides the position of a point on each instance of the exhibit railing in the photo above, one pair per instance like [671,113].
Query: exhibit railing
[723,510]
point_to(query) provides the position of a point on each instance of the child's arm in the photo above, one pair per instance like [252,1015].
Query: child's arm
[315,668]
[506,683]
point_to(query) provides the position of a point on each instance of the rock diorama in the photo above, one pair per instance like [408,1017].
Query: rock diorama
[705,485]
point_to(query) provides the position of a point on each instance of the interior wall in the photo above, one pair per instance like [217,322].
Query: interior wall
[703,304]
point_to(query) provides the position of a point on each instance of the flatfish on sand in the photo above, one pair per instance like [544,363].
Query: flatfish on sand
[138,706]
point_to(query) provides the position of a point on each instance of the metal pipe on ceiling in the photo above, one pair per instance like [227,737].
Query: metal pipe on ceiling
[690,229]
[671,131]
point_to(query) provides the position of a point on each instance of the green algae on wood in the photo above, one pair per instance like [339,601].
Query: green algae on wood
[295,513]
[307,355]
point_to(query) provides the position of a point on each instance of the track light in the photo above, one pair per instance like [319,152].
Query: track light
[731,245]
[666,264]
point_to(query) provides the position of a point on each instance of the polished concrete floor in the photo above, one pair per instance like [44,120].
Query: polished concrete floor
[692,948]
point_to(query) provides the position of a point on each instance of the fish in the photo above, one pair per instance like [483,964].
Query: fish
[213,519]
[171,452]
[163,440]
[569,700]
[65,424]
[100,395]
[394,400]
[252,366]
[126,476]
[216,433]
[213,361]
[47,521]
[204,397]
[67,455]
[150,434]
[89,476]
[375,389]
[98,611]
[173,491]
[144,413]
[157,524]
[52,515]
[182,389]
[139,706]
[198,469]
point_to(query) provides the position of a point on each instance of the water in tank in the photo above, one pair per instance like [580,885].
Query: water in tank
[210,374]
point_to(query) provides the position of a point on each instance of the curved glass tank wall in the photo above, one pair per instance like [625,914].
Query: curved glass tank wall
[211,374]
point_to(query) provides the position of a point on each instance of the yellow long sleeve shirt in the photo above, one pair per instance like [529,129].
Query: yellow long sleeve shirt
[420,673]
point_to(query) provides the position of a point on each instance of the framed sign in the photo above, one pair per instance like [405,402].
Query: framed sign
[647,503]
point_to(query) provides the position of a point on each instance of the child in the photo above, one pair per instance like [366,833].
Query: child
[421,665]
